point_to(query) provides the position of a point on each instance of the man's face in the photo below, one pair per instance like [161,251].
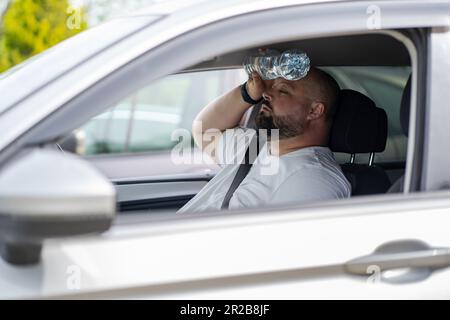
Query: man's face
[285,107]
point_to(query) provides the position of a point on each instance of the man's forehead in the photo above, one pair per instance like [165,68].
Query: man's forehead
[291,83]
[284,81]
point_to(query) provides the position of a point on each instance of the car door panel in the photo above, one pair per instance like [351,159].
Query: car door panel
[294,253]
[150,181]
[154,193]
[166,202]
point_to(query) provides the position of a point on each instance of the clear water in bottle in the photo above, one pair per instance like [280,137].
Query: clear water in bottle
[293,65]
[271,64]
[264,64]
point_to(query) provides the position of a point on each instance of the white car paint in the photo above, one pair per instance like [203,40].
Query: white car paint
[297,252]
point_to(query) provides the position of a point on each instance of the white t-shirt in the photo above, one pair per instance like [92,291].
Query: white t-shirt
[307,174]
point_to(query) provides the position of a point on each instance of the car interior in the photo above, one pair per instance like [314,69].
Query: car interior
[369,134]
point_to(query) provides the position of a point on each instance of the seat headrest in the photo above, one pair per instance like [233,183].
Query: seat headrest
[359,126]
[405,106]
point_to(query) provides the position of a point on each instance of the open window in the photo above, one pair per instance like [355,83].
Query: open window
[132,141]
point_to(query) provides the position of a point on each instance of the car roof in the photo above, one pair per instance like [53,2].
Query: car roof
[168,7]
[174,7]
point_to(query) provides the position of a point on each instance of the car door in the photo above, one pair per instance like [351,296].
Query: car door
[336,249]
[331,252]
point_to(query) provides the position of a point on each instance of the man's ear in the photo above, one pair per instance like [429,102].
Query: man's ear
[316,111]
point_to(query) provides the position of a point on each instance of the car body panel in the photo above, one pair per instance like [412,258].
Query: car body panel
[297,252]
[242,255]
[436,155]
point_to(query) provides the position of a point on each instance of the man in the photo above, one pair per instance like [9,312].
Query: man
[302,111]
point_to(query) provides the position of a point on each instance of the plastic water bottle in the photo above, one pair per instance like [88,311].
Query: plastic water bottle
[264,64]
[293,65]
[271,64]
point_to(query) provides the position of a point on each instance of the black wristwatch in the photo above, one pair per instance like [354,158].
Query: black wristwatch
[246,97]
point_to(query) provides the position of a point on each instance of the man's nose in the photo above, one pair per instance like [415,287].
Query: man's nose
[267,96]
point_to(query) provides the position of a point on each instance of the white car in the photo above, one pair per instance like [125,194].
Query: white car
[70,227]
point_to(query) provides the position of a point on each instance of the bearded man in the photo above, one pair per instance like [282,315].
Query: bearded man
[298,116]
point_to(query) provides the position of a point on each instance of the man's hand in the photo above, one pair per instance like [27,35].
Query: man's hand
[255,86]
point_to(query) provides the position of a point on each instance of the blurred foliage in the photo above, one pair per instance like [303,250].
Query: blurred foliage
[31,26]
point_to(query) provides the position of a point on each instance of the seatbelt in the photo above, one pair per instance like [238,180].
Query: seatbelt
[247,163]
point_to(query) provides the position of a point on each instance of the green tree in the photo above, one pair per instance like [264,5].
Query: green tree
[32,26]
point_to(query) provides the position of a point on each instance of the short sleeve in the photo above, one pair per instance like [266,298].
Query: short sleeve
[232,145]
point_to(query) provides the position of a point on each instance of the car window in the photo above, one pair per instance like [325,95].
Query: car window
[384,85]
[144,122]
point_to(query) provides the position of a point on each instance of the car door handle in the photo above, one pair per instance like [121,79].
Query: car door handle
[404,254]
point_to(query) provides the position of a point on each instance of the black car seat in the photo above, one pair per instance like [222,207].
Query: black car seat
[360,126]
[397,186]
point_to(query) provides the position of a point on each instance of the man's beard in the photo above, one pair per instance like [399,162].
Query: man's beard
[288,126]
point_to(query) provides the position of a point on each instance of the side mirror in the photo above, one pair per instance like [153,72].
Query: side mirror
[45,194]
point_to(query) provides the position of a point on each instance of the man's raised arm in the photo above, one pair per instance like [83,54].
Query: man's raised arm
[223,113]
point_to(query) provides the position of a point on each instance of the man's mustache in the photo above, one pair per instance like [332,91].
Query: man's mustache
[267,104]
